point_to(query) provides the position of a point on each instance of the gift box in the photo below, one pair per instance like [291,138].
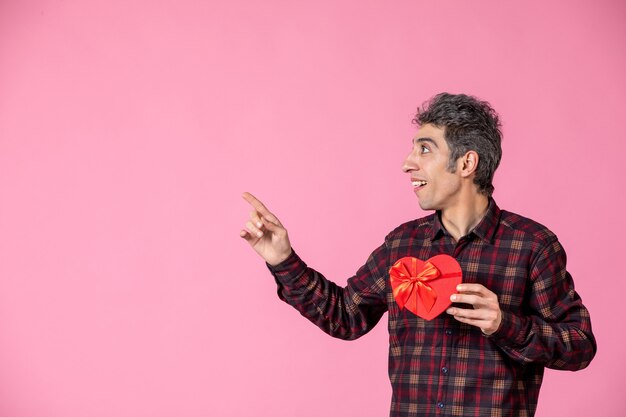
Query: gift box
[424,287]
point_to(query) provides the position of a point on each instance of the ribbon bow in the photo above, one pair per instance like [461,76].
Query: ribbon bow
[405,282]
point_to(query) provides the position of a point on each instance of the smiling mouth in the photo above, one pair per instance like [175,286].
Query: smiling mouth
[418,183]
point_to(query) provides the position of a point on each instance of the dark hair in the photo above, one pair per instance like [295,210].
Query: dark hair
[469,124]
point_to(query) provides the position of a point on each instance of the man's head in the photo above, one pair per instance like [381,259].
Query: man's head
[469,125]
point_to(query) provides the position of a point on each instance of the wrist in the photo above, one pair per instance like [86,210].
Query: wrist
[496,326]
[277,261]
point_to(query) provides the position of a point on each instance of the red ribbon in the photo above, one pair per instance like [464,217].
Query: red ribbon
[407,283]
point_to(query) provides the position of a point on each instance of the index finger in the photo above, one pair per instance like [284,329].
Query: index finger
[472,288]
[256,203]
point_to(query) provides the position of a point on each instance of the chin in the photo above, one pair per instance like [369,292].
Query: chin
[425,205]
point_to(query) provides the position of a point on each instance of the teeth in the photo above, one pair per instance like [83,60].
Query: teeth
[418,183]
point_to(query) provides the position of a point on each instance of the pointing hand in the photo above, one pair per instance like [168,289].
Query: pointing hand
[265,233]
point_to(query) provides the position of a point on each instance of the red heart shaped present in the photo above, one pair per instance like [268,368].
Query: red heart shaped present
[424,288]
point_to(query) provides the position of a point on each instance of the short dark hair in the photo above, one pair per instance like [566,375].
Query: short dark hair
[469,124]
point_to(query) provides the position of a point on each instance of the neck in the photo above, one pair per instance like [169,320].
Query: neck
[460,220]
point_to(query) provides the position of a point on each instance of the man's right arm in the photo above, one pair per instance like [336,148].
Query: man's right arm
[343,312]
[346,313]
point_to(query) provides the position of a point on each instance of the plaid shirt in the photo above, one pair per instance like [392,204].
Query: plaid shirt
[443,367]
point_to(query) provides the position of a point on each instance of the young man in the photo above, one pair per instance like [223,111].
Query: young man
[515,313]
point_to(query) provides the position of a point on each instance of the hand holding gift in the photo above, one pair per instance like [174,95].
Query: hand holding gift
[486,313]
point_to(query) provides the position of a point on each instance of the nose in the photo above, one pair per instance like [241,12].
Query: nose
[410,163]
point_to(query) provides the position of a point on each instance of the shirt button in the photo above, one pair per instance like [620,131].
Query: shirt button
[440,404]
[448,332]
[444,370]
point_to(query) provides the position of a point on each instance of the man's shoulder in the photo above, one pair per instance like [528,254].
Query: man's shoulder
[415,228]
[529,228]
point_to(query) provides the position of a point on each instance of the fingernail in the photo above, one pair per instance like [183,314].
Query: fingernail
[259,234]
[259,224]
[459,288]
[453,297]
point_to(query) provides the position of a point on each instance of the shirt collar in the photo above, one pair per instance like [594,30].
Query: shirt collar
[485,229]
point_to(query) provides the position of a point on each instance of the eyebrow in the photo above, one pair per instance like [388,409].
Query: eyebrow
[417,140]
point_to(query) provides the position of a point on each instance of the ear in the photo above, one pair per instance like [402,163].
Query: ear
[468,163]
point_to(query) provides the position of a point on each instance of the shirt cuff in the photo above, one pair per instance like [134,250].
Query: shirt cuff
[289,269]
[511,331]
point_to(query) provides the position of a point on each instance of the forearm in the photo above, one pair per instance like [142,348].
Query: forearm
[345,313]
[531,339]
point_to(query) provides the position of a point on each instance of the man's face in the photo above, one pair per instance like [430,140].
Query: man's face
[435,186]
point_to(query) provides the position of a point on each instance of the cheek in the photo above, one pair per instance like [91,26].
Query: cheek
[450,181]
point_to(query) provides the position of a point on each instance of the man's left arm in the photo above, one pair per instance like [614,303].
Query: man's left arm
[556,330]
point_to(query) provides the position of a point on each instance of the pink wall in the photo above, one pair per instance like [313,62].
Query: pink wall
[129,129]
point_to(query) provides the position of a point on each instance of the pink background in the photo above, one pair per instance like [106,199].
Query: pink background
[129,129]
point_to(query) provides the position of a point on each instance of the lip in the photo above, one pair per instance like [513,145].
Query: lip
[418,187]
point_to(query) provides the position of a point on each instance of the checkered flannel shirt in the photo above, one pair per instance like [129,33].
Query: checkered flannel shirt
[443,367]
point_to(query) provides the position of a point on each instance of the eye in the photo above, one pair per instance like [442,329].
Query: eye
[424,149]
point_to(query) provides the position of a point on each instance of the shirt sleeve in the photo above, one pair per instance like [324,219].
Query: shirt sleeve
[556,328]
[346,313]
